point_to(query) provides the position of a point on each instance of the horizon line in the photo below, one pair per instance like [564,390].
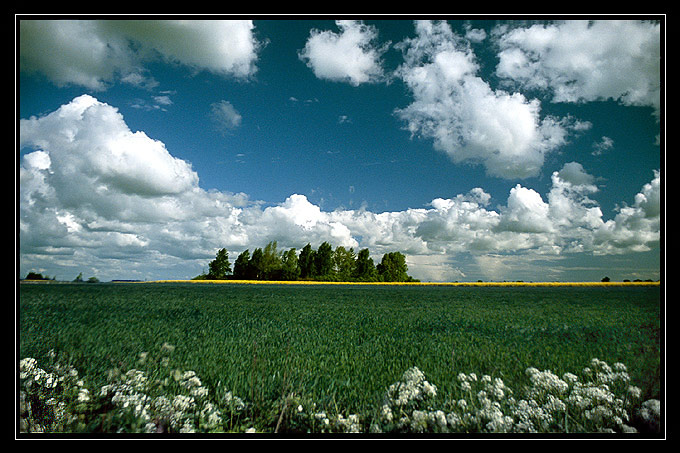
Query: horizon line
[317,282]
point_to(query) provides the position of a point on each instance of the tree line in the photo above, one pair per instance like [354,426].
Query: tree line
[322,264]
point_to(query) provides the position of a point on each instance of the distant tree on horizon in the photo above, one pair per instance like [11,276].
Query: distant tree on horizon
[325,264]
[393,268]
[323,261]
[365,268]
[219,267]
[306,262]
[290,270]
[241,265]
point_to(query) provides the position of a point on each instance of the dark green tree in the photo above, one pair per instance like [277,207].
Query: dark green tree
[344,263]
[219,267]
[256,265]
[241,266]
[289,265]
[271,262]
[324,261]
[365,268]
[393,268]
[306,262]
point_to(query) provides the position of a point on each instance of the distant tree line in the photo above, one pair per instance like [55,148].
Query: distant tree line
[79,279]
[322,264]
[36,276]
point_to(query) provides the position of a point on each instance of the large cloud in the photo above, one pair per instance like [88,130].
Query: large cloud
[349,56]
[93,187]
[96,195]
[89,139]
[93,53]
[93,190]
[464,116]
[582,60]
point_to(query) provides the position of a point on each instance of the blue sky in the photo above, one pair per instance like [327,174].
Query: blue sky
[481,149]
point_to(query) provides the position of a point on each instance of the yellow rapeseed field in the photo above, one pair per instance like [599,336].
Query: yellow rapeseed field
[313,282]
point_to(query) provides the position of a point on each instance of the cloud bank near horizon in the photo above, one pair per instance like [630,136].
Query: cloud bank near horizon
[95,194]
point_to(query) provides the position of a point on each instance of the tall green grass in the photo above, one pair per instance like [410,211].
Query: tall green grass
[341,346]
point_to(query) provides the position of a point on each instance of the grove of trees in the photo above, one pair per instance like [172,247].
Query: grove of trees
[323,264]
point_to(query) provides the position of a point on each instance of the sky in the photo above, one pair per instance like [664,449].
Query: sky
[482,148]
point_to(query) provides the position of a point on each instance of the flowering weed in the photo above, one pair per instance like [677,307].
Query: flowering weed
[600,400]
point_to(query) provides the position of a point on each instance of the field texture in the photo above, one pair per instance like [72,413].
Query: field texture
[341,346]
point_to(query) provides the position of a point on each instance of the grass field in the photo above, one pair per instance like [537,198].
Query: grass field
[341,346]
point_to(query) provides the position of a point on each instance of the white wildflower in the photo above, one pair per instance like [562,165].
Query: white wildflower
[210,416]
[321,417]
[386,413]
[418,421]
[570,378]
[620,367]
[440,420]
[187,428]
[429,389]
[183,403]
[136,378]
[454,421]
[634,392]
[26,367]
[83,395]
[349,424]
[234,402]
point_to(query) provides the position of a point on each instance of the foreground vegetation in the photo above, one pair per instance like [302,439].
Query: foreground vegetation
[166,400]
[291,359]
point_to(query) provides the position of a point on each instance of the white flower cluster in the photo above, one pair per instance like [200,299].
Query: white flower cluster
[407,404]
[649,415]
[49,401]
[307,418]
[598,400]
[412,389]
[234,403]
[550,403]
[54,401]
[349,424]
[186,412]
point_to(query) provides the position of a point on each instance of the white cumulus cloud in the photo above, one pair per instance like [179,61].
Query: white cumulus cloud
[464,116]
[95,195]
[351,55]
[94,53]
[581,60]
[89,139]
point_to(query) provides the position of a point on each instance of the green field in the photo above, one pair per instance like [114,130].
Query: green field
[341,346]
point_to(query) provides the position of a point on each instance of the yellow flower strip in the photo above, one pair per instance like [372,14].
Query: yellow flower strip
[313,282]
